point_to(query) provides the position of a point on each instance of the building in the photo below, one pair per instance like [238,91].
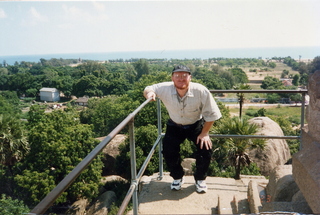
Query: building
[82,101]
[49,94]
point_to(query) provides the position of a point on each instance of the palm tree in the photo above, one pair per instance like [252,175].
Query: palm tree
[241,95]
[13,142]
[236,148]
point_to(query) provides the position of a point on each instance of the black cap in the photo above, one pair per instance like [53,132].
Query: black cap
[181,68]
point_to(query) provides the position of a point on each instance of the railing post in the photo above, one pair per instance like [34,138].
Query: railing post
[303,102]
[159,134]
[133,166]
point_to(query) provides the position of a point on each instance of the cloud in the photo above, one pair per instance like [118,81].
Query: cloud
[33,18]
[99,6]
[75,16]
[2,14]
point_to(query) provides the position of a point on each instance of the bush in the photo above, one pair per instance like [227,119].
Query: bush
[228,171]
[9,206]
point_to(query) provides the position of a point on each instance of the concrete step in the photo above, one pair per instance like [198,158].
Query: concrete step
[224,196]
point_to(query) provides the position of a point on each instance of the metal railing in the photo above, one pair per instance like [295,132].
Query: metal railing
[43,206]
[303,92]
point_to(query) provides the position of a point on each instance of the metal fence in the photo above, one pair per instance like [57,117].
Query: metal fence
[44,205]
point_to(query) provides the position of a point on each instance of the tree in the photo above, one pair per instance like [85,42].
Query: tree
[285,73]
[272,65]
[296,97]
[241,96]
[93,68]
[145,136]
[240,76]
[106,113]
[295,80]
[236,148]
[273,98]
[271,83]
[142,68]
[315,64]
[88,85]
[13,141]
[58,142]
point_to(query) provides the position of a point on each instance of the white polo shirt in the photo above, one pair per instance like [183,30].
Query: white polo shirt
[196,104]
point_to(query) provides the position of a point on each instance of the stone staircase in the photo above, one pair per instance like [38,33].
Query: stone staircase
[224,196]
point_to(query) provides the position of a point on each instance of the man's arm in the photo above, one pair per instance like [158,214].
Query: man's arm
[204,138]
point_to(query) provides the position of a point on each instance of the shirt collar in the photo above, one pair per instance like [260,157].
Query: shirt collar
[188,94]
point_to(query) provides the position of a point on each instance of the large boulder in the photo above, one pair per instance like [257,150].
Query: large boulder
[110,152]
[283,194]
[276,151]
[281,186]
[78,207]
[102,204]
[187,164]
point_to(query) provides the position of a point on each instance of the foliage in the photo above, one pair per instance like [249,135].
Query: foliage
[227,171]
[141,67]
[120,188]
[273,98]
[9,105]
[145,137]
[287,129]
[240,76]
[88,85]
[13,141]
[295,80]
[106,113]
[271,83]
[9,206]
[240,96]
[235,148]
[58,143]
[315,64]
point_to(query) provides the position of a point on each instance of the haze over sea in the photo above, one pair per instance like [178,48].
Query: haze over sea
[293,52]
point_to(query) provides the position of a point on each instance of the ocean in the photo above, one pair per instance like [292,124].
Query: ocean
[263,53]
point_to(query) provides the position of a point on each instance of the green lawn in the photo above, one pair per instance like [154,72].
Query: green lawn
[293,113]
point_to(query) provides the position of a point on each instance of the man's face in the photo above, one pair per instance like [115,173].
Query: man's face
[181,80]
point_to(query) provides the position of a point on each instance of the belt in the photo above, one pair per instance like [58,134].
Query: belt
[172,123]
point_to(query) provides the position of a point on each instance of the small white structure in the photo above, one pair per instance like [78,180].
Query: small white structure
[49,94]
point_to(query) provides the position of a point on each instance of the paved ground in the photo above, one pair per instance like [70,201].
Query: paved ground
[224,196]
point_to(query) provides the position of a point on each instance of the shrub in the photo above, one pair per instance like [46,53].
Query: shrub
[9,206]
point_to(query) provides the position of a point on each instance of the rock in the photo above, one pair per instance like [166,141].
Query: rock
[313,109]
[78,207]
[109,178]
[300,203]
[110,153]
[254,200]
[281,186]
[306,163]
[102,204]
[276,151]
[187,165]
[283,193]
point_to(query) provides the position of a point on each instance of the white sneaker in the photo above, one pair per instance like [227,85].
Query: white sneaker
[201,186]
[176,184]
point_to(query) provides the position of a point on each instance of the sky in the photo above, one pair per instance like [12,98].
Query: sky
[55,27]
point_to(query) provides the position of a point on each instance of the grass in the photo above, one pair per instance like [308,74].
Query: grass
[292,113]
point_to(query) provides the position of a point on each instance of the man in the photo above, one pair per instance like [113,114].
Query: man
[192,112]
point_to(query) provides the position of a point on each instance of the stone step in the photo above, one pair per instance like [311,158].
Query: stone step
[224,196]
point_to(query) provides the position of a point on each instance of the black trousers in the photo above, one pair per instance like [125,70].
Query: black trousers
[175,135]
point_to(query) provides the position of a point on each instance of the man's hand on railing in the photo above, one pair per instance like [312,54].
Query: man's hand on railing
[151,95]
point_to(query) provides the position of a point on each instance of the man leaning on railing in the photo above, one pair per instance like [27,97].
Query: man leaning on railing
[192,111]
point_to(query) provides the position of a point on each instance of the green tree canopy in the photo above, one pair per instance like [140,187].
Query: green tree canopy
[271,83]
[58,142]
